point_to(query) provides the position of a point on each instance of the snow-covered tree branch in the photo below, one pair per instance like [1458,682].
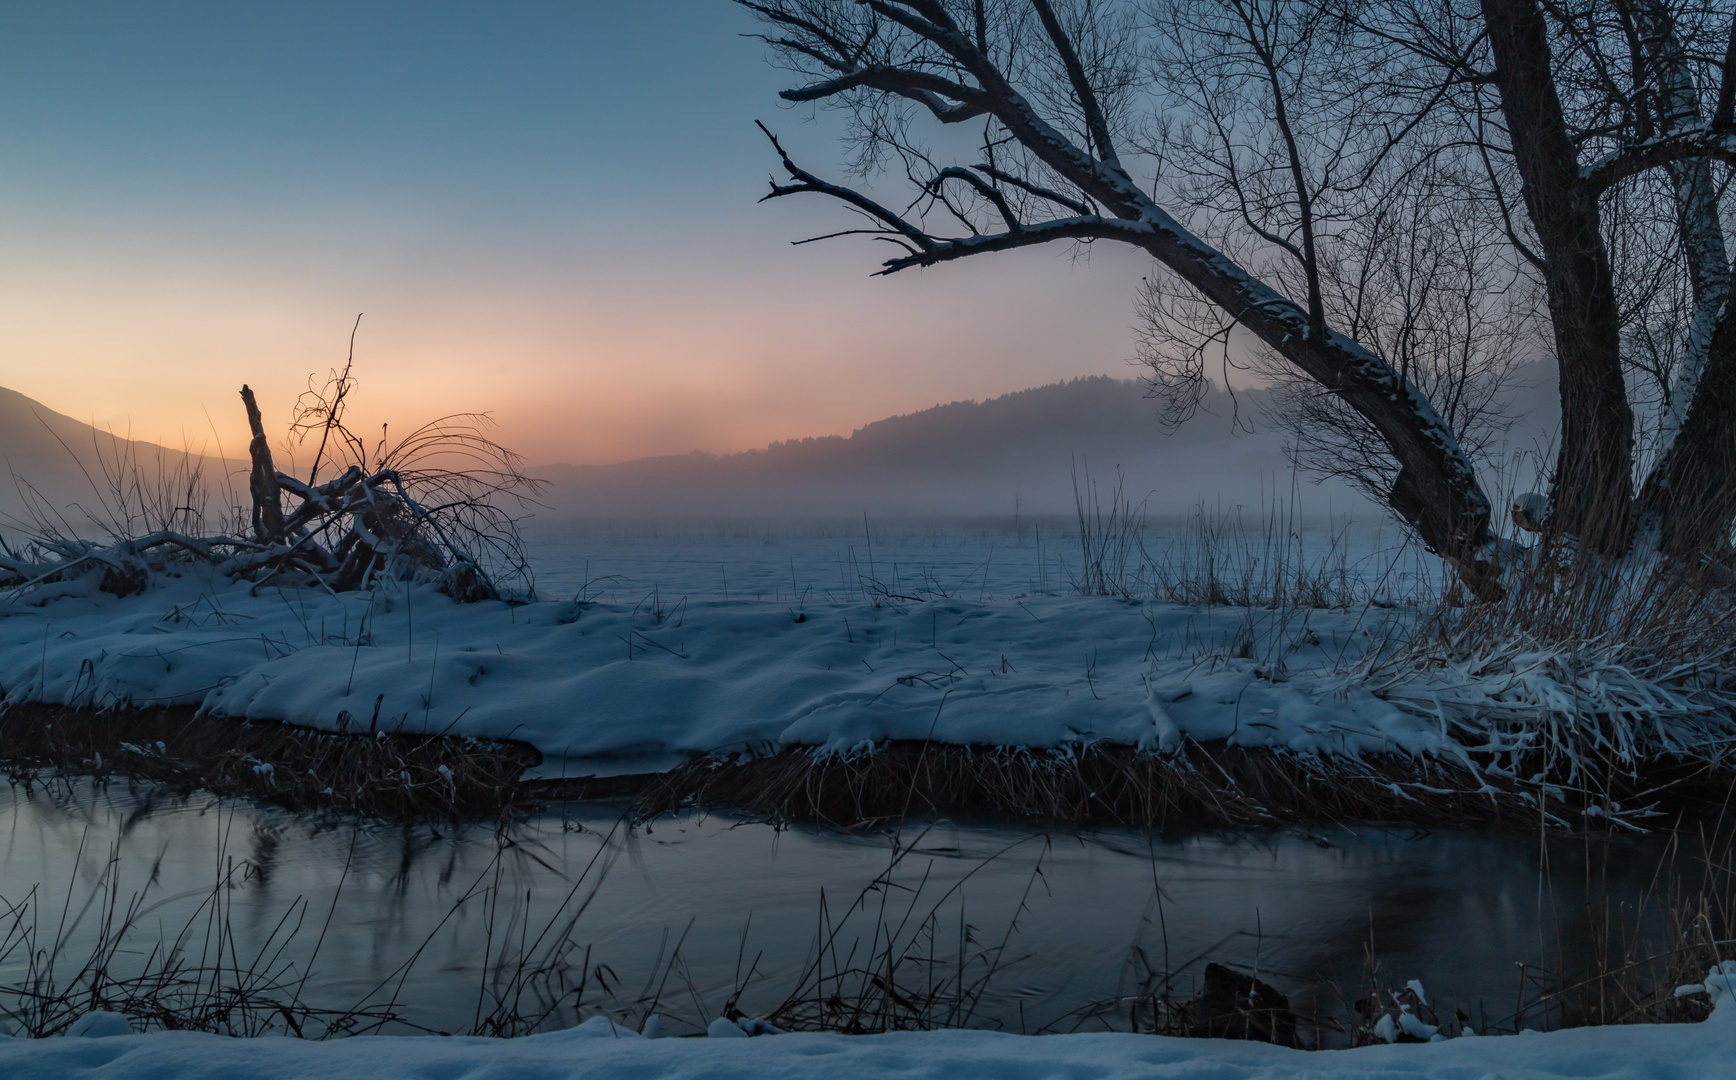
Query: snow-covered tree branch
[1060,88]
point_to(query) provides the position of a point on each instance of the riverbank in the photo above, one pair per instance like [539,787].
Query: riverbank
[1072,709]
[388,776]
[421,777]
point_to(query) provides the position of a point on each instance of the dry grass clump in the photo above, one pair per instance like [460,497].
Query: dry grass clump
[378,774]
[1203,786]
[1644,965]
[1587,674]
[1216,558]
[1650,957]
[197,978]
[916,972]
[193,980]
[140,512]
[1591,676]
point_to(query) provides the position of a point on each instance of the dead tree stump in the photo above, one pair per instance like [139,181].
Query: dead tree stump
[262,481]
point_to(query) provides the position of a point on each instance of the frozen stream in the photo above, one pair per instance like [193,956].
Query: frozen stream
[1457,911]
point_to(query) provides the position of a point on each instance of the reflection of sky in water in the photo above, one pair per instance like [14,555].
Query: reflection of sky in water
[1455,910]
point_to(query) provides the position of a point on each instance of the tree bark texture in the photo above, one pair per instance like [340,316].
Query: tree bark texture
[1691,492]
[1593,486]
[1689,496]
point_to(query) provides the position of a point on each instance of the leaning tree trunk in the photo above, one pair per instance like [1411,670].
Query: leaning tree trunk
[1436,492]
[1593,489]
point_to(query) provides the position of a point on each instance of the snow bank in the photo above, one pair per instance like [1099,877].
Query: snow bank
[589,680]
[598,1048]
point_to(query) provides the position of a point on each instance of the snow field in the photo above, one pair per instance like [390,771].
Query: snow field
[835,560]
[598,1048]
[691,640]
[588,680]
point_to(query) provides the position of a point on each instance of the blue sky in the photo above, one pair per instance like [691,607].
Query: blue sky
[547,211]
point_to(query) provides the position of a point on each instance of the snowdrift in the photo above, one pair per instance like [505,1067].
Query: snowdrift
[586,682]
[601,1048]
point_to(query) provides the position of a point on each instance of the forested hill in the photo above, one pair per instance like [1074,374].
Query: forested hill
[966,457]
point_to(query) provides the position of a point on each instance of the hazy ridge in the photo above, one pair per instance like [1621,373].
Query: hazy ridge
[965,457]
[960,458]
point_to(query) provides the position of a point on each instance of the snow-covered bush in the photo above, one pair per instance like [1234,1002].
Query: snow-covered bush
[1578,674]
[431,506]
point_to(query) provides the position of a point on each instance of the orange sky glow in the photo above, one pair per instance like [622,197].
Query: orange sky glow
[655,354]
[547,211]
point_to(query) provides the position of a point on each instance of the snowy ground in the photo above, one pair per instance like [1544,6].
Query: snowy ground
[668,674]
[596,1048]
[653,658]
[829,559]
[666,640]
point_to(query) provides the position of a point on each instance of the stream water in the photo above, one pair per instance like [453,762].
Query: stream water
[694,911]
[678,917]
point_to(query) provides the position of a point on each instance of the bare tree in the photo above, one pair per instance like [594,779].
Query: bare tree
[1310,149]
[1365,190]
[1603,126]
[1056,91]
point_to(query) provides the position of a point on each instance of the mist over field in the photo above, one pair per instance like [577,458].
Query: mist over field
[66,471]
[1011,453]
[1136,537]
[1014,454]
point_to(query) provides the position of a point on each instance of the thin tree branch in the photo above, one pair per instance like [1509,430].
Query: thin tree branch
[1095,123]
[1038,190]
[807,181]
[981,187]
[922,87]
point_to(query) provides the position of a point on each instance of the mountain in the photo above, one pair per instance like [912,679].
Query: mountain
[82,477]
[966,457]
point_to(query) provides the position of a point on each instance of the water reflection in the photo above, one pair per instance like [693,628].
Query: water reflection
[701,910]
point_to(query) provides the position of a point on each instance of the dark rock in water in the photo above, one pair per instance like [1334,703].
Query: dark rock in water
[1235,1006]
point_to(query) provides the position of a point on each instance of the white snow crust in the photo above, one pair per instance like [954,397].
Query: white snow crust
[598,1048]
[590,680]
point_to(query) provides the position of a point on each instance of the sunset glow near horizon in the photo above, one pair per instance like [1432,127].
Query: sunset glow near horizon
[547,212]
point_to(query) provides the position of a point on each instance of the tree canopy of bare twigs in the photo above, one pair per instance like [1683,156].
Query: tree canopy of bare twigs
[1383,205]
[1339,198]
